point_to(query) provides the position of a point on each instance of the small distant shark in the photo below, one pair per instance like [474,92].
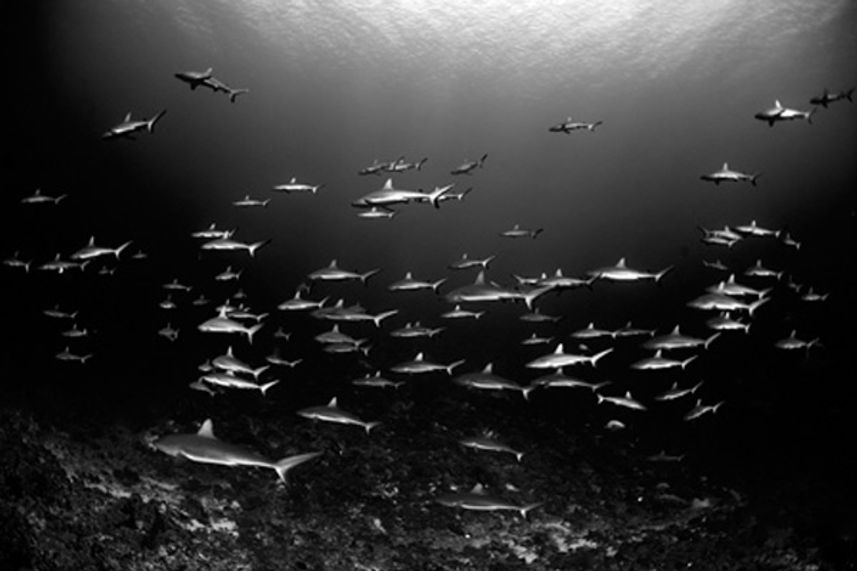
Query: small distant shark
[569,125]
[376,213]
[466,262]
[487,442]
[212,233]
[408,283]
[825,98]
[517,232]
[458,313]
[376,381]
[168,332]
[754,229]
[400,165]
[229,379]
[792,343]
[721,302]
[675,392]
[659,362]
[559,359]
[228,244]
[38,198]
[230,363]
[626,401]
[128,126]
[478,500]
[332,413]
[676,340]
[247,202]
[622,273]
[60,266]
[419,364]
[700,409]
[67,355]
[205,79]
[487,380]
[15,261]
[468,166]
[92,251]
[332,272]
[294,186]
[298,303]
[228,275]
[592,332]
[725,174]
[779,113]
[206,448]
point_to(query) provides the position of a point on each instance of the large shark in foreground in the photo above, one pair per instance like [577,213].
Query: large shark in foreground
[779,113]
[204,447]
[387,196]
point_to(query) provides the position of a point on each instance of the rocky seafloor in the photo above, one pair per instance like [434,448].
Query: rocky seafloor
[81,496]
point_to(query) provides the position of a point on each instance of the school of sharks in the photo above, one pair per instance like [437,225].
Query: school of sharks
[560,353]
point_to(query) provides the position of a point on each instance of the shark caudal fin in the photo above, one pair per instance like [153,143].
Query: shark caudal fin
[233,93]
[592,126]
[255,246]
[710,340]
[150,124]
[756,305]
[435,286]
[595,358]
[453,365]
[662,273]
[259,371]
[754,177]
[434,197]
[252,331]
[810,114]
[848,94]
[377,319]
[119,250]
[524,510]
[283,466]
[370,425]
[264,388]
[365,277]
[482,160]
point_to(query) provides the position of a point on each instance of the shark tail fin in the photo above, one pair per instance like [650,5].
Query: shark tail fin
[536,232]
[592,126]
[487,261]
[688,361]
[662,273]
[264,388]
[86,358]
[482,160]
[283,466]
[519,456]
[453,365]
[436,285]
[756,305]
[259,371]
[58,198]
[365,277]
[754,177]
[233,93]
[810,114]
[384,315]
[252,331]
[370,425]
[527,508]
[420,164]
[848,94]
[150,124]
[256,245]
[525,392]
[119,250]
[598,356]
[711,339]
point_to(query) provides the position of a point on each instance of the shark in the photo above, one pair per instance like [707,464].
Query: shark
[224,324]
[792,343]
[536,316]
[409,283]
[294,186]
[229,379]
[376,381]
[56,313]
[175,285]
[754,229]
[467,167]
[387,196]
[332,272]
[212,233]
[67,355]
[479,291]
[75,332]
[622,273]
[38,198]
[517,232]
[674,392]
[230,363]
[486,379]
[228,275]
[92,251]
[826,98]
[778,113]
[760,271]
[559,380]
[720,302]
[700,409]
[628,330]
[626,401]
[194,78]
[15,261]
[458,313]
[559,358]
[466,262]
[218,86]
[676,340]
[733,288]
[592,332]
[726,174]
[488,443]
[477,499]
[419,365]
[204,447]
[376,213]
[659,362]
[536,340]
[334,335]
[332,413]
[128,127]
[248,202]
[401,165]
[59,265]
[228,244]
[169,332]
[298,303]
[724,322]
[568,126]
[560,281]
[415,330]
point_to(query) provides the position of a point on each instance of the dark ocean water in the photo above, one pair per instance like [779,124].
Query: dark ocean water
[333,88]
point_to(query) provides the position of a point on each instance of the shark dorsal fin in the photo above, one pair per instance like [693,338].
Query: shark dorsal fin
[777,104]
[128,116]
[558,272]
[559,350]
[419,357]
[726,166]
[206,430]
[388,185]
[591,325]
[208,72]
[731,279]
[676,331]
[516,227]
[340,303]
[91,241]
[480,278]
[332,263]
[658,353]
[489,368]
[229,351]
[675,386]
[621,263]
[335,328]
[409,276]
[478,489]
[793,334]
[332,403]
[628,395]
[293,180]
